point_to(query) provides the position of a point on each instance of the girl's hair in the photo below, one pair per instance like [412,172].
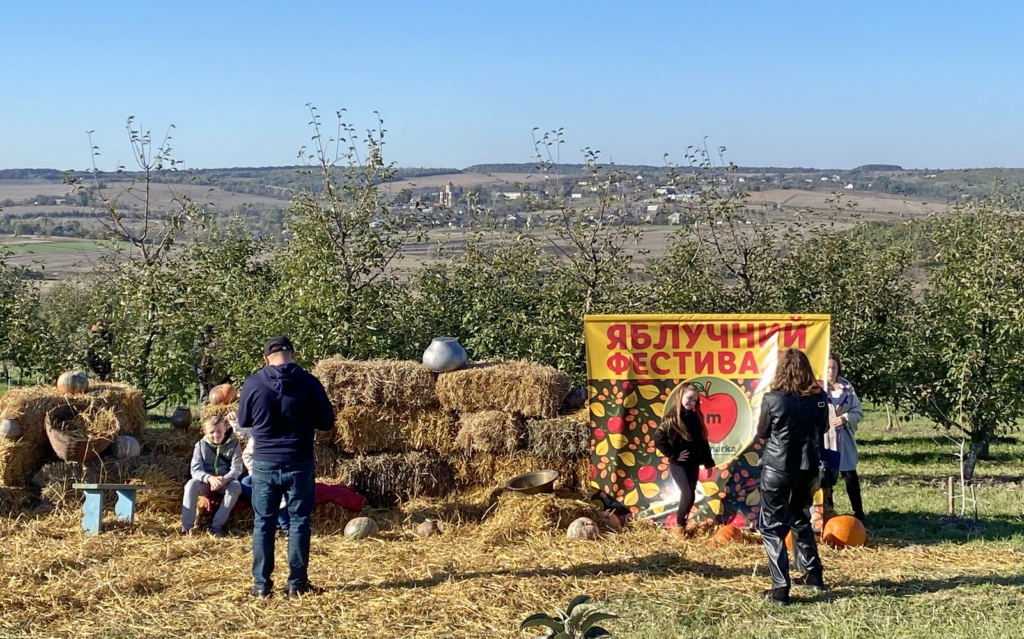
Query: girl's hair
[794,374]
[839,367]
[212,420]
[673,419]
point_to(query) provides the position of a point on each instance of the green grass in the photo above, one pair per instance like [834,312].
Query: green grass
[922,576]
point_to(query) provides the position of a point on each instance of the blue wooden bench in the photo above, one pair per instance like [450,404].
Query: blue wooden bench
[92,510]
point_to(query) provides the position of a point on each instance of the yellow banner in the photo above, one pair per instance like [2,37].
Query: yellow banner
[637,362]
[685,346]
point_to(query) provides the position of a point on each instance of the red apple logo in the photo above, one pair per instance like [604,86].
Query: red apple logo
[720,412]
[647,474]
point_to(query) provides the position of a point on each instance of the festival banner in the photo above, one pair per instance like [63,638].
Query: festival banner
[635,362]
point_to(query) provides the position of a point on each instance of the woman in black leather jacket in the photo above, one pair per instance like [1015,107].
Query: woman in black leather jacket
[794,417]
[682,437]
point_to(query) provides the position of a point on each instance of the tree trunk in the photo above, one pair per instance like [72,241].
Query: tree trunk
[975,453]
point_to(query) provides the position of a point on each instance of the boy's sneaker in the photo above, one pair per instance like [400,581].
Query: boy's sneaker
[778,596]
[218,532]
[811,581]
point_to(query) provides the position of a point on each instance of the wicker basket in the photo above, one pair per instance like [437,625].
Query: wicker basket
[72,445]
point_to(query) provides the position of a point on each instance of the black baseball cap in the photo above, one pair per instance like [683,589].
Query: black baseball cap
[277,344]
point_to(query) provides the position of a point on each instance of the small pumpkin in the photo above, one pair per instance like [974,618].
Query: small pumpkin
[126,446]
[430,527]
[10,428]
[361,528]
[727,534]
[181,417]
[223,394]
[583,528]
[73,382]
[843,531]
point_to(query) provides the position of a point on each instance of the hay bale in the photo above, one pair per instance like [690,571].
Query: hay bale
[517,516]
[379,382]
[325,459]
[330,518]
[522,388]
[168,441]
[19,459]
[494,471]
[14,501]
[565,437]
[371,429]
[490,432]
[220,410]
[388,479]
[29,405]
[164,475]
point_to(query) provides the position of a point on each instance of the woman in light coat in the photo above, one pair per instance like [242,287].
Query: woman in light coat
[845,413]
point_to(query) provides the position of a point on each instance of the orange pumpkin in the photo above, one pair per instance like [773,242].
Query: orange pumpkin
[223,394]
[727,535]
[844,531]
[73,382]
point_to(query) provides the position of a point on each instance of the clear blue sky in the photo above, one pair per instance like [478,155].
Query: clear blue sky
[830,85]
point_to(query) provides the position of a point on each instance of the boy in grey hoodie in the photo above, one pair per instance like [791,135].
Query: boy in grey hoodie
[216,468]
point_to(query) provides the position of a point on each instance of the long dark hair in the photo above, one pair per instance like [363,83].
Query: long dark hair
[794,374]
[673,419]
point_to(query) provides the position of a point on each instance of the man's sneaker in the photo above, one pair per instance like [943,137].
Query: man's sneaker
[305,589]
[218,532]
[778,596]
[811,581]
[261,592]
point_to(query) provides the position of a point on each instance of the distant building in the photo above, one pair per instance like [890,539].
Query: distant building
[445,197]
[512,195]
[576,196]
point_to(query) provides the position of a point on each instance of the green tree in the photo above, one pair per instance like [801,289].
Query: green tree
[967,347]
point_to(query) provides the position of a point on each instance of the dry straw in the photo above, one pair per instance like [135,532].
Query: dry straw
[490,432]
[29,405]
[492,471]
[379,382]
[371,429]
[58,583]
[220,410]
[564,437]
[389,478]
[168,441]
[522,388]
[517,516]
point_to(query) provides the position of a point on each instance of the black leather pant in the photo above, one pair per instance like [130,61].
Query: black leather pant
[786,500]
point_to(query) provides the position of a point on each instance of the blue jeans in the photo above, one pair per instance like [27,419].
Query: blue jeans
[270,482]
[282,513]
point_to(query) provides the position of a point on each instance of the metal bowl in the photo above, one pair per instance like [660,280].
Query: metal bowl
[533,483]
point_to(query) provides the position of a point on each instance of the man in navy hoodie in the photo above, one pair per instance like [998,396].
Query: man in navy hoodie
[283,405]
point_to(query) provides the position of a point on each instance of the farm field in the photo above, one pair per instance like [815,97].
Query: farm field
[917,577]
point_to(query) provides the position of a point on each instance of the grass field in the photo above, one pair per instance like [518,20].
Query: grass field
[918,576]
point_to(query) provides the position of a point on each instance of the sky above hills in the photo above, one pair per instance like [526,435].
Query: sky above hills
[779,84]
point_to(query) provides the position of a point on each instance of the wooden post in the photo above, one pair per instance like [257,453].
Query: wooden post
[949,507]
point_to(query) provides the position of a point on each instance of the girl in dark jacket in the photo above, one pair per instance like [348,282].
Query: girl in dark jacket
[794,416]
[682,437]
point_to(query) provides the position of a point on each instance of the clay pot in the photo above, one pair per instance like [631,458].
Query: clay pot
[444,355]
[181,417]
[430,527]
[10,428]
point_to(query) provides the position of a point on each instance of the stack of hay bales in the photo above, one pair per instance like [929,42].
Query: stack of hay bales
[402,432]
[390,433]
[21,457]
[510,423]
